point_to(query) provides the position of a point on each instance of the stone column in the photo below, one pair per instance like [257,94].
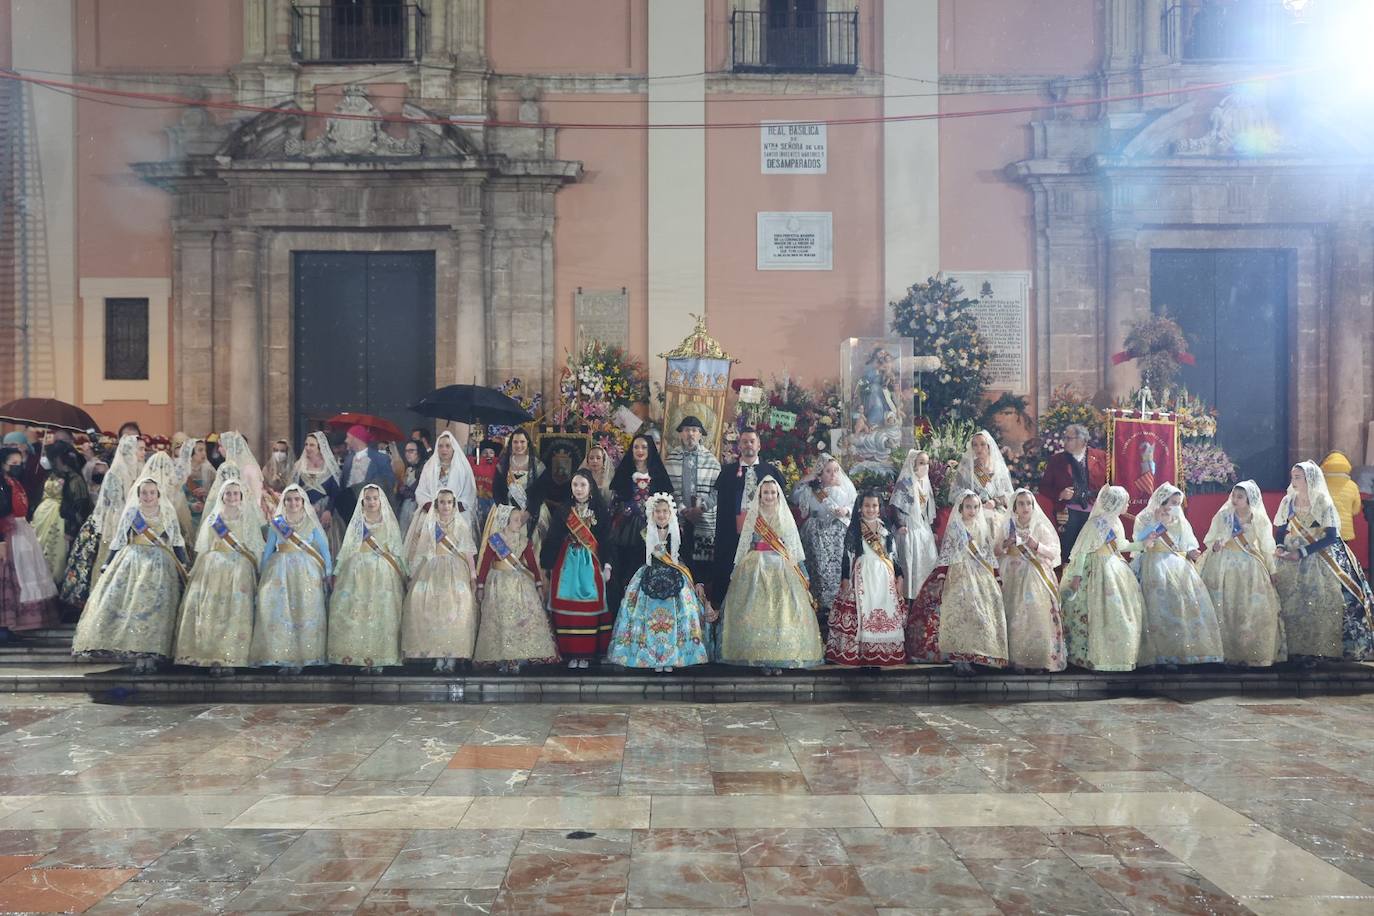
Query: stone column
[1122,286]
[1152,49]
[193,302]
[472,334]
[245,337]
[1349,328]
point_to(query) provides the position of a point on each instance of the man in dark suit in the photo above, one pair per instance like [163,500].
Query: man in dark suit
[365,463]
[1072,478]
[734,488]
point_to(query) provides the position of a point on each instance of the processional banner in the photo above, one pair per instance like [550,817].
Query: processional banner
[1142,453]
[698,380]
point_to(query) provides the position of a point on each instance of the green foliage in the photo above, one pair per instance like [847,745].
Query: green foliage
[940,321]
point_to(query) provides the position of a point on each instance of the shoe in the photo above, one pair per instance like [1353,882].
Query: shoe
[574,664]
[668,670]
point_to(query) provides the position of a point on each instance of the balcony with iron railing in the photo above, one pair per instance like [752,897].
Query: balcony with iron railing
[358,32]
[798,42]
[1203,31]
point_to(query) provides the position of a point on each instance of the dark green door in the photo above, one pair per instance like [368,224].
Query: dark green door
[364,335]
[1233,307]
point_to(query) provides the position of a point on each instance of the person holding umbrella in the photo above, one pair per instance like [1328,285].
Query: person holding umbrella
[363,465]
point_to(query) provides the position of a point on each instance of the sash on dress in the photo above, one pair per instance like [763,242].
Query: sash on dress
[222,529]
[770,537]
[285,530]
[141,529]
[582,533]
[505,555]
[1347,581]
[371,542]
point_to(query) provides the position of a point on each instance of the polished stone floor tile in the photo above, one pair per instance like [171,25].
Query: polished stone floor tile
[406,901]
[59,890]
[452,859]
[498,757]
[963,811]
[104,811]
[1043,886]
[831,889]
[221,856]
[569,813]
[1143,808]
[1252,861]
[348,812]
[168,898]
[113,848]
[742,811]
[773,847]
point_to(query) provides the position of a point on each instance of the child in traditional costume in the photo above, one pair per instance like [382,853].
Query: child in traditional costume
[1180,620]
[984,471]
[446,469]
[972,627]
[664,621]
[825,497]
[639,475]
[1027,557]
[572,556]
[132,613]
[769,612]
[514,628]
[868,621]
[290,630]
[440,617]
[369,587]
[913,506]
[215,629]
[1238,570]
[1324,594]
[1103,608]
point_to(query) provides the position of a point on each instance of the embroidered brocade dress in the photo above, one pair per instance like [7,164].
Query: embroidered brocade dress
[28,594]
[365,609]
[822,534]
[577,586]
[1030,597]
[216,623]
[51,527]
[440,615]
[1104,617]
[662,621]
[868,621]
[133,608]
[972,623]
[1180,624]
[1237,578]
[513,626]
[1325,597]
[768,620]
[291,624]
[917,551]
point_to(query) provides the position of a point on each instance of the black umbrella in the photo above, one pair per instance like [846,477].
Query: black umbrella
[47,412]
[472,404]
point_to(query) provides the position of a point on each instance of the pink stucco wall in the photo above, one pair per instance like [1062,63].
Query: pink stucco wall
[187,36]
[1019,36]
[792,321]
[567,36]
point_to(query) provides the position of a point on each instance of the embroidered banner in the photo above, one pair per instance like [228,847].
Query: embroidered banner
[1142,453]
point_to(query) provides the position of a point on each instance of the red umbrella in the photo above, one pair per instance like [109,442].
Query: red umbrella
[49,413]
[382,430]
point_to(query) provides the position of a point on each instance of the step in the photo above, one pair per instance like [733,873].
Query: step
[712,683]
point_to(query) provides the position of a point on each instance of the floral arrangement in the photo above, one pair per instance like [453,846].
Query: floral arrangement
[598,379]
[1207,468]
[1160,347]
[1067,408]
[945,443]
[514,388]
[940,321]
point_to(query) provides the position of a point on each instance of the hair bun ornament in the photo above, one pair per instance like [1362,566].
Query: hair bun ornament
[666,497]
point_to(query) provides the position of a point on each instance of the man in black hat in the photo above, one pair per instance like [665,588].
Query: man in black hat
[694,468]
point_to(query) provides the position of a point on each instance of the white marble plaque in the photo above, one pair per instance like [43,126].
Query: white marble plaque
[602,315]
[788,148]
[1003,311]
[795,241]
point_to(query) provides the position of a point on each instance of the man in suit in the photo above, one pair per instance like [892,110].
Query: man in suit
[364,464]
[1072,478]
[734,489]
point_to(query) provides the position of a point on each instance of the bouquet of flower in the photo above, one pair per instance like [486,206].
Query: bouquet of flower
[1158,343]
[945,444]
[1068,407]
[940,321]
[515,388]
[1207,468]
[598,379]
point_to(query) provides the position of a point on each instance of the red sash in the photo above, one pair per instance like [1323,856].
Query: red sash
[582,532]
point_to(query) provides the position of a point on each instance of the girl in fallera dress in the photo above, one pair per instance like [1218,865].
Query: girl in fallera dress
[317,473]
[28,594]
[576,574]
[984,471]
[769,616]
[290,630]
[164,470]
[1027,557]
[234,447]
[1324,594]
[369,588]
[215,629]
[826,498]
[1103,608]
[65,506]
[132,613]
[1180,620]
[639,474]
[972,624]
[91,548]
[664,621]
[447,468]
[440,617]
[516,471]
[514,627]
[1238,570]
[868,621]
[913,507]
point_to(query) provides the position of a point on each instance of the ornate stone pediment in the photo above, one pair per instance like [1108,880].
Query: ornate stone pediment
[1239,125]
[351,133]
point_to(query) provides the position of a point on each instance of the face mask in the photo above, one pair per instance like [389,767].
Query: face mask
[97,479]
[280,456]
[44,463]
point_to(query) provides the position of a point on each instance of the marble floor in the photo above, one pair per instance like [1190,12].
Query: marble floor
[1225,805]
